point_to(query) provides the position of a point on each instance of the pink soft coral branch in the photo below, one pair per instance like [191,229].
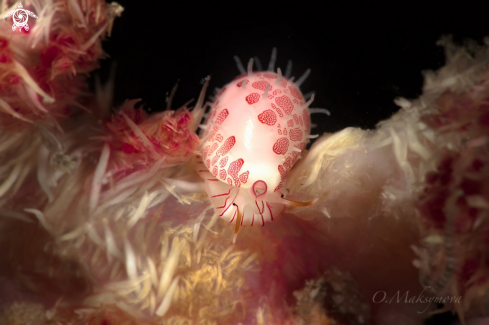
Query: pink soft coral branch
[63,43]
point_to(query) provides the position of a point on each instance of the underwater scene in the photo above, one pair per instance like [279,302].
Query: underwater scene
[165,164]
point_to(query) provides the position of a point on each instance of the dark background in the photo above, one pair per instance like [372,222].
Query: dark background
[362,56]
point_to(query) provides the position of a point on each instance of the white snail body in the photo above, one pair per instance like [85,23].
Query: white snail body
[255,132]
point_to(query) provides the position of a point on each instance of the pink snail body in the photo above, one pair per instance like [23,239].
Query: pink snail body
[257,127]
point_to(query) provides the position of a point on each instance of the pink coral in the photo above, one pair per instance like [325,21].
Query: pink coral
[106,223]
[43,70]
[455,201]
[142,139]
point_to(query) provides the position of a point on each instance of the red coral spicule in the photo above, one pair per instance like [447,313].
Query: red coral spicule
[43,71]
[144,139]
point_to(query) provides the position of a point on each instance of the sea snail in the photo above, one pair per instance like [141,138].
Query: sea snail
[256,129]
